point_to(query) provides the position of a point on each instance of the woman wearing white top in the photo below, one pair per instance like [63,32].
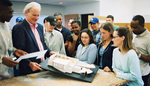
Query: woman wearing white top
[125,60]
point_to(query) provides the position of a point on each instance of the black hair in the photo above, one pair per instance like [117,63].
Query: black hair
[90,35]
[57,14]
[110,16]
[139,18]
[5,3]
[44,20]
[78,22]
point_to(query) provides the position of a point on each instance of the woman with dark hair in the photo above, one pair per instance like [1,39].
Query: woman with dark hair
[73,41]
[105,48]
[125,60]
[87,50]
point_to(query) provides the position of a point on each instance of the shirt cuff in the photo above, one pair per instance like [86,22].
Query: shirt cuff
[1,59]
[14,49]
[118,74]
[139,55]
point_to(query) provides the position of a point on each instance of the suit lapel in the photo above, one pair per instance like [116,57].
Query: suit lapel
[28,28]
[40,34]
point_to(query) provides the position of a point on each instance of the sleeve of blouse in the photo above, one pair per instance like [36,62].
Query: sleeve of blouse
[92,54]
[134,68]
[114,61]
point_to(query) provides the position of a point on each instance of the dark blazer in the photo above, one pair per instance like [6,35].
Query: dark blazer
[65,32]
[107,56]
[23,38]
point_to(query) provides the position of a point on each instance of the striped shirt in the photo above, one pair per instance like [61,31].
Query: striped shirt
[97,36]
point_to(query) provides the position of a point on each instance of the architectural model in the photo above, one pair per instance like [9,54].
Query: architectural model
[68,64]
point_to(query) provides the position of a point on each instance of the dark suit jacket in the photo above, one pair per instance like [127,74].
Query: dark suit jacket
[23,38]
[107,56]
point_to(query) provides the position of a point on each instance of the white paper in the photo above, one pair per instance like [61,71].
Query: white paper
[38,54]
[14,58]
[83,64]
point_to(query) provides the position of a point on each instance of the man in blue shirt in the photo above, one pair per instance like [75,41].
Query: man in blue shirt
[94,23]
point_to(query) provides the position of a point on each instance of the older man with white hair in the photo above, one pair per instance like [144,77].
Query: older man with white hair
[28,36]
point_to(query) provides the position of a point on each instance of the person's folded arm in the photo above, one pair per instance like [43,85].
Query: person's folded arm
[71,45]
[134,69]
[92,53]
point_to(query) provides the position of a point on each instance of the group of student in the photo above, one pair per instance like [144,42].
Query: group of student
[118,52]
[108,46]
[78,44]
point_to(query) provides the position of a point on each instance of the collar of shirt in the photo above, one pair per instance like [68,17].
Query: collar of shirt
[32,25]
[51,33]
[59,29]
[96,32]
[2,25]
[144,33]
